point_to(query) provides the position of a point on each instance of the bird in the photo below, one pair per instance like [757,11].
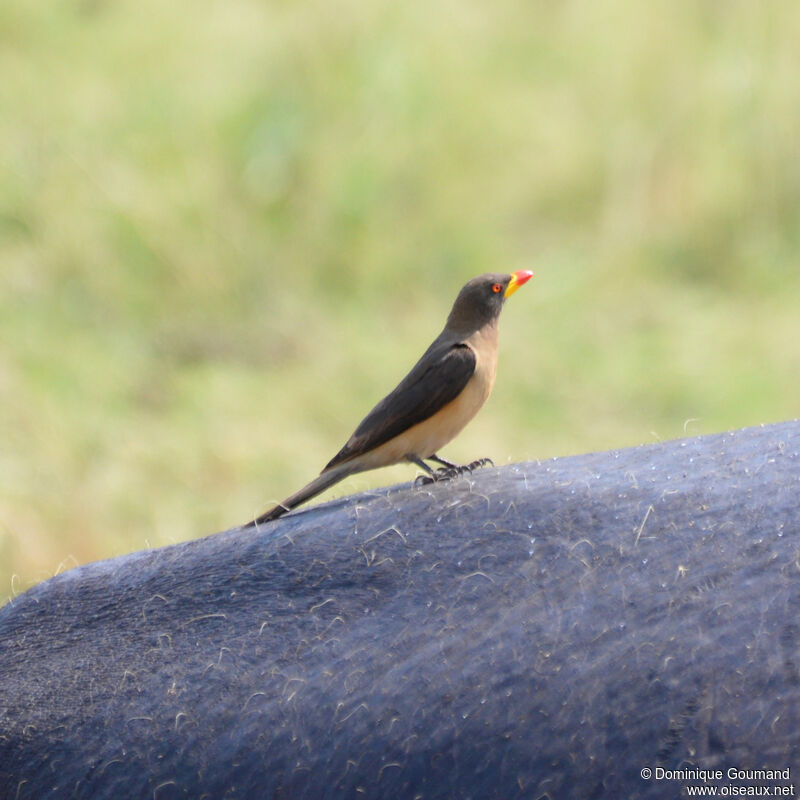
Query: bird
[432,404]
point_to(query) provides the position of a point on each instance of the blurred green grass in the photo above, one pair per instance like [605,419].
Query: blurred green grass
[226,230]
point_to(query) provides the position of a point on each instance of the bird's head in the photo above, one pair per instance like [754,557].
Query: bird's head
[482,299]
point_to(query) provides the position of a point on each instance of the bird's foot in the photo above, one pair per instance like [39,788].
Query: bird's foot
[480,462]
[450,472]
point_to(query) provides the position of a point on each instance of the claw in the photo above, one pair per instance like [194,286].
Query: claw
[448,473]
[441,474]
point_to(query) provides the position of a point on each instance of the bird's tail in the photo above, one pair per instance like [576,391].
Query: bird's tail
[317,486]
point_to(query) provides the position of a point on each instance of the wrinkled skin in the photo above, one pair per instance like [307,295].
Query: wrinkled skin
[535,630]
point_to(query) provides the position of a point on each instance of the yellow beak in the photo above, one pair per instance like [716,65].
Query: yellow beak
[517,279]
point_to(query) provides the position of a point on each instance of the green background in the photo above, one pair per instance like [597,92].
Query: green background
[227,229]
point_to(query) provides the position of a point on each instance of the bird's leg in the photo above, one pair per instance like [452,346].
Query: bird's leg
[421,480]
[451,470]
[443,461]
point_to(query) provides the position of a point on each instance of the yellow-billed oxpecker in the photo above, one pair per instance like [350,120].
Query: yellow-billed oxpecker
[432,404]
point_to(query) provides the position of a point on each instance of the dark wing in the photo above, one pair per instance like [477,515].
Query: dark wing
[436,379]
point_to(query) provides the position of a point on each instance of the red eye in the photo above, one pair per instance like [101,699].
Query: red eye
[497,288]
